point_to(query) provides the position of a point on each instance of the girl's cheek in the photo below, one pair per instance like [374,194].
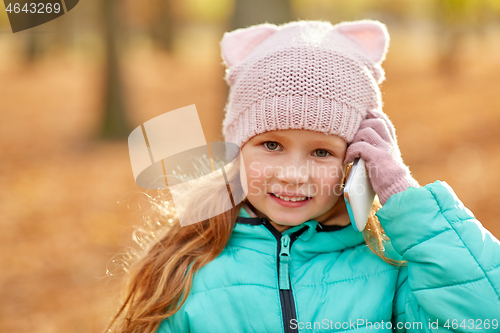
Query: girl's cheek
[329,172]
[331,185]
[254,180]
[328,179]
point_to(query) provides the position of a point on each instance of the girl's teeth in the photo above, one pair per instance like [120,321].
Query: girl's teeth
[291,199]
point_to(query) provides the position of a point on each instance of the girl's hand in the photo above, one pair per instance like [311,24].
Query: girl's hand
[375,143]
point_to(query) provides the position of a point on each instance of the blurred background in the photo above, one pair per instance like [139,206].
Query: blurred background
[73,89]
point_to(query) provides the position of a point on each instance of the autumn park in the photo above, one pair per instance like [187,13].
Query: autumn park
[73,89]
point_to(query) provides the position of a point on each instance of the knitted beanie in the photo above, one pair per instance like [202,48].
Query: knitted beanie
[302,75]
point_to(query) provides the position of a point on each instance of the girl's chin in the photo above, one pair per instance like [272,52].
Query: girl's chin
[288,222]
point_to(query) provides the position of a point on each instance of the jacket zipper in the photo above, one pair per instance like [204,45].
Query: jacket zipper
[286,295]
[284,260]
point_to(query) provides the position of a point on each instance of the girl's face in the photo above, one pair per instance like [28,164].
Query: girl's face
[293,164]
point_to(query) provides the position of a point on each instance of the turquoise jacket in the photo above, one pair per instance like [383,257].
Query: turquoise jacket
[325,279]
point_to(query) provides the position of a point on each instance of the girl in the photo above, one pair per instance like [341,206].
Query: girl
[304,103]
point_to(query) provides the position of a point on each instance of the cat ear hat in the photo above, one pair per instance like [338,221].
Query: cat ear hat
[302,75]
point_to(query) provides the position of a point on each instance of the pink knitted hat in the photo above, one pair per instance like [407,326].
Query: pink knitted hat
[302,75]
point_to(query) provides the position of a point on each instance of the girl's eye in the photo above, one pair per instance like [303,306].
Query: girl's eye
[271,145]
[322,153]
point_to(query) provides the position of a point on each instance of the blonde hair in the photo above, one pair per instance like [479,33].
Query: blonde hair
[160,275]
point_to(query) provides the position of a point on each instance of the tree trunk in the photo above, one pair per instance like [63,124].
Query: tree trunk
[115,124]
[162,30]
[250,12]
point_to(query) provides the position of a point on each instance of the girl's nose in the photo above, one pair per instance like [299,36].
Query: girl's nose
[293,173]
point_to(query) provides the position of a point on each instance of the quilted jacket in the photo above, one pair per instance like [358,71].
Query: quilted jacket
[314,278]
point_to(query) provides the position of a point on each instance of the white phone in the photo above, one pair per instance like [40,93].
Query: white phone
[358,195]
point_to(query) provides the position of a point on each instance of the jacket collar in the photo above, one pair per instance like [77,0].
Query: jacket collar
[313,238]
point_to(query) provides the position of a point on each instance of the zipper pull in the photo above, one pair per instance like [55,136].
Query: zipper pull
[284,263]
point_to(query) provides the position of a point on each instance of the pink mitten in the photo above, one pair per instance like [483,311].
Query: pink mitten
[375,143]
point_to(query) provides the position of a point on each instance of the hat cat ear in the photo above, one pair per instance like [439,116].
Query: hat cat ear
[237,44]
[371,36]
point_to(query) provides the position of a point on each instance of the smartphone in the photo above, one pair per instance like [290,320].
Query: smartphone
[358,195]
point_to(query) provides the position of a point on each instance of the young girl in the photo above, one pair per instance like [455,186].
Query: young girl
[304,103]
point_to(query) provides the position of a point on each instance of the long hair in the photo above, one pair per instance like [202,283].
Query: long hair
[159,279]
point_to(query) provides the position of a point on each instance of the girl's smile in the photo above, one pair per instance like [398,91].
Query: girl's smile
[292,176]
[291,201]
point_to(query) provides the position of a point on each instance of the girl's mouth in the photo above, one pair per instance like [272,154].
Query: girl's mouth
[289,202]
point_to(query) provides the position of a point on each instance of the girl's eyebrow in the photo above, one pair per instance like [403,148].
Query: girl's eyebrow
[319,143]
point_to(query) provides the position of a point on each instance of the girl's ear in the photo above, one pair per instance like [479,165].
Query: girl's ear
[237,44]
[371,36]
